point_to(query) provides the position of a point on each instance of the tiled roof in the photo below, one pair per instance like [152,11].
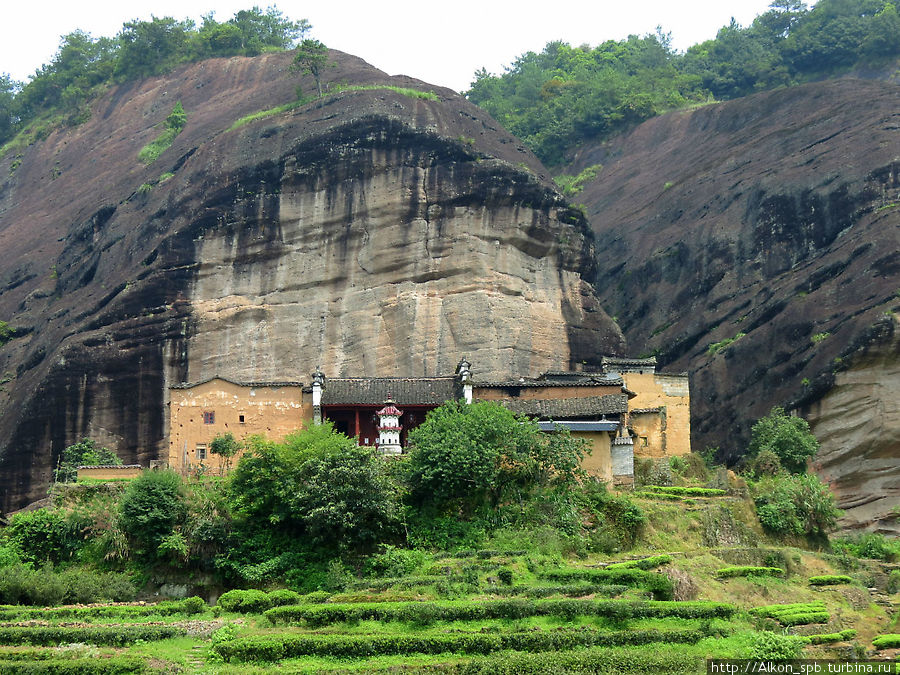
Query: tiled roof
[562,408]
[617,361]
[191,385]
[640,411]
[403,390]
[110,466]
[596,381]
[580,425]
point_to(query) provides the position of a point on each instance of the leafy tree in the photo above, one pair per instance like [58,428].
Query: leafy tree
[316,483]
[346,498]
[151,508]
[84,453]
[310,58]
[789,438]
[225,446]
[152,47]
[477,456]
[8,121]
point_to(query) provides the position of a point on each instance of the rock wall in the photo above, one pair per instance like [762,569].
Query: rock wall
[370,233]
[857,423]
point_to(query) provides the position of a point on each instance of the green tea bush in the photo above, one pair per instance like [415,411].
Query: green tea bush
[658,584]
[642,564]
[249,601]
[825,638]
[802,618]
[115,665]
[187,606]
[284,596]
[748,570]
[830,580]
[889,641]
[116,636]
[685,491]
[773,611]
[577,590]
[424,613]
[275,647]
[591,660]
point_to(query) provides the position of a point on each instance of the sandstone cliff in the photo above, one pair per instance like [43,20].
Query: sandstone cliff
[371,233]
[754,243]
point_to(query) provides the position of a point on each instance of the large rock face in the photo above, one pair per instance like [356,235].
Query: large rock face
[372,233]
[772,221]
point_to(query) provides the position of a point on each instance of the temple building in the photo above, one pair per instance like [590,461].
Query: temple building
[625,410]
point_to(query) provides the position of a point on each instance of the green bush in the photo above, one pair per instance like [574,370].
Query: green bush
[249,601]
[395,562]
[772,611]
[830,580]
[893,584]
[871,545]
[575,590]
[44,536]
[795,505]
[172,126]
[788,437]
[152,506]
[889,641]
[187,606]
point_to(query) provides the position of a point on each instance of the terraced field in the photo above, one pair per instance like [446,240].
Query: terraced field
[476,612]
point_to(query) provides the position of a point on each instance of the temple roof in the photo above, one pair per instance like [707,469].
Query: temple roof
[191,385]
[404,391]
[562,408]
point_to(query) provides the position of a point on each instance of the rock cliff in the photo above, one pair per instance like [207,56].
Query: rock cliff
[371,233]
[755,243]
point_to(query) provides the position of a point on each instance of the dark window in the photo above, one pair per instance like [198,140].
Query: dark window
[241,419]
[209,417]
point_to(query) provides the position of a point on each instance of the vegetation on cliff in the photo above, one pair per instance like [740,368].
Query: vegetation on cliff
[84,64]
[565,95]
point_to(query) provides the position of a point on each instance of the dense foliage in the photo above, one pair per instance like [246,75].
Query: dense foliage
[467,458]
[567,95]
[152,507]
[795,505]
[141,49]
[785,436]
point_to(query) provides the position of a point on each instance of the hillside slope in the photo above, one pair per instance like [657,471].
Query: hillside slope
[756,243]
[371,233]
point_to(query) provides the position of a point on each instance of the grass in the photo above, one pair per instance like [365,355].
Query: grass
[293,105]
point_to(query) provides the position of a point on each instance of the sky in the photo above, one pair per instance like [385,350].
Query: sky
[443,43]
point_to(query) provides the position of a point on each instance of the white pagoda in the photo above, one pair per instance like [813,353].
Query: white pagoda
[389,428]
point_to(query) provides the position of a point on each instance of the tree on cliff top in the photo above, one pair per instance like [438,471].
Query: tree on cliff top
[310,58]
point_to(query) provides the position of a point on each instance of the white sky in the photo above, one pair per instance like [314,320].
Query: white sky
[442,43]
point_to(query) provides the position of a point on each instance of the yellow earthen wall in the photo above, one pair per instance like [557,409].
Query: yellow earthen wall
[672,392]
[271,411]
[105,473]
[599,462]
[651,438]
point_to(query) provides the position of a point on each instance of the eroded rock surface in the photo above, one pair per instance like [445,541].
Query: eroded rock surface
[370,233]
[754,243]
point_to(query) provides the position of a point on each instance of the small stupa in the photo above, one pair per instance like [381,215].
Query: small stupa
[389,428]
